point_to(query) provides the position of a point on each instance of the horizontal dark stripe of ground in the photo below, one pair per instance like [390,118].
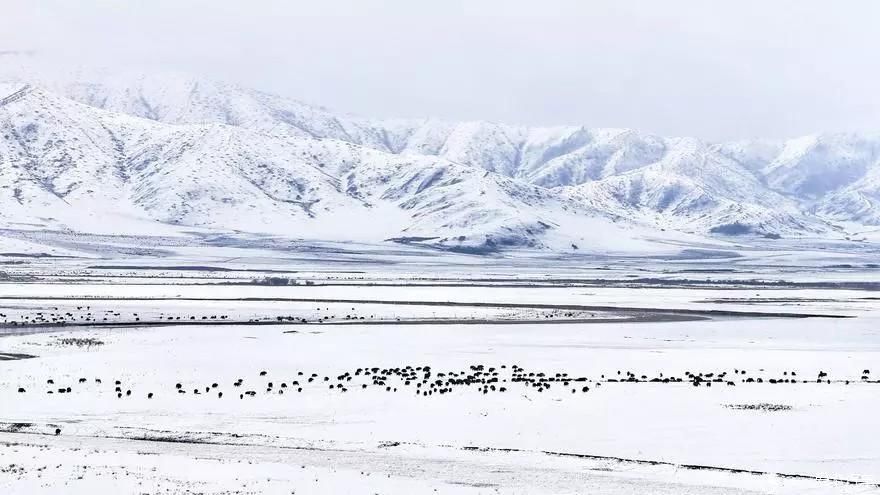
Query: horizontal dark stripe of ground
[567,307]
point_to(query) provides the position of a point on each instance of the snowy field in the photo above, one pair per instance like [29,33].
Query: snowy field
[664,377]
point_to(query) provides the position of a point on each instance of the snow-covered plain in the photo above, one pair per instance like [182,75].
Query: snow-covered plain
[209,289]
[623,434]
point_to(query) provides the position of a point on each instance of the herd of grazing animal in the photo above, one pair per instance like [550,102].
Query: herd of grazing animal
[83,316]
[424,381]
[87,316]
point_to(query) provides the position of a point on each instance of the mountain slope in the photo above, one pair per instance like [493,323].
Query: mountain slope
[793,187]
[68,165]
[693,188]
[858,202]
[813,166]
[835,176]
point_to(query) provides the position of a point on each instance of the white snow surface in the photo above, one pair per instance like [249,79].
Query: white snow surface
[322,440]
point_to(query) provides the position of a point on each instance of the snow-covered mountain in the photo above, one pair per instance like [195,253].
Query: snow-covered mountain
[64,164]
[693,187]
[189,151]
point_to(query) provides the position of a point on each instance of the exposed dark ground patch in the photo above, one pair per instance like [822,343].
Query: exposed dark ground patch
[627,282]
[627,314]
[641,318]
[770,300]
[695,467]
[187,268]
[14,356]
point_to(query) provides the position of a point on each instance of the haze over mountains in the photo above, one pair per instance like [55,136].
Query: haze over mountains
[125,152]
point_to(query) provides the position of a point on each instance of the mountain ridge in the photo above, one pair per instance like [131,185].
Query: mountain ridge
[546,156]
[818,185]
[68,164]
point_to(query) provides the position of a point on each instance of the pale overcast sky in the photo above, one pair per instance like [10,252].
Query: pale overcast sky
[712,69]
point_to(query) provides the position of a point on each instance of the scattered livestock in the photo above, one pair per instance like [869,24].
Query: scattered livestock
[425,381]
